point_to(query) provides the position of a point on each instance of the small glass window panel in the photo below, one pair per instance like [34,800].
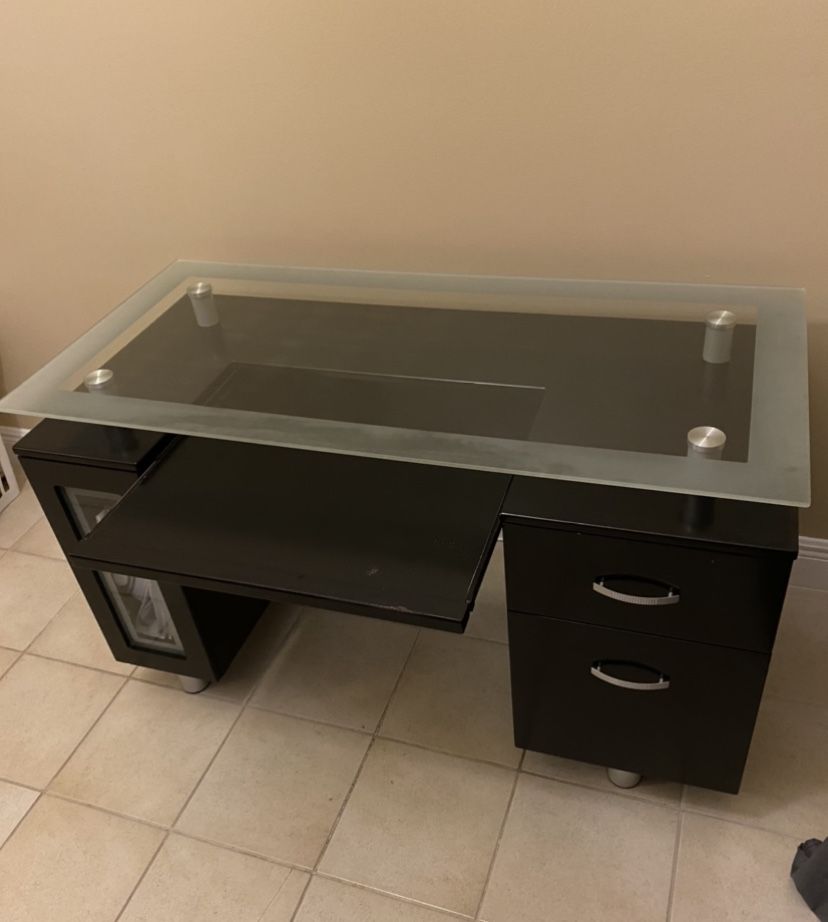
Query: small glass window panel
[88,507]
[142,611]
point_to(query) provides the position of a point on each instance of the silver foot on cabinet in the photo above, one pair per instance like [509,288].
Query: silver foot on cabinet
[622,779]
[192,686]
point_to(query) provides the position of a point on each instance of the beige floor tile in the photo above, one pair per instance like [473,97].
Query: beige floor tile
[17,518]
[14,802]
[422,825]
[276,787]
[571,853]
[191,881]
[333,901]
[34,590]
[797,669]
[488,618]
[7,657]
[46,708]
[337,668]
[74,636]
[454,696]
[71,863]
[595,776]
[257,653]
[784,785]
[147,753]
[156,677]
[41,541]
[730,873]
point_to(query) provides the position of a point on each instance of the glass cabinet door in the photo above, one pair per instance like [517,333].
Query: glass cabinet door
[88,507]
[142,612]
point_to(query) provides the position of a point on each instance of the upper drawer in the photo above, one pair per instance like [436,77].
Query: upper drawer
[712,597]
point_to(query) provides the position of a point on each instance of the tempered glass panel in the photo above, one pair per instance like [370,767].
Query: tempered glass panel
[142,611]
[596,381]
[87,508]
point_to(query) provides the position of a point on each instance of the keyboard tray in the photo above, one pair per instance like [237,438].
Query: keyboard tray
[400,541]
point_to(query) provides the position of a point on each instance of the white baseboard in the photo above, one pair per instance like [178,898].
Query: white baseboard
[809,572]
[10,435]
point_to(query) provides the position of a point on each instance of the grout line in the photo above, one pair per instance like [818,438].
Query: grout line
[143,874]
[91,728]
[506,813]
[374,738]
[241,850]
[22,784]
[693,811]
[207,768]
[68,662]
[411,650]
[396,897]
[627,794]
[456,755]
[301,900]
[275,896]
[13,663]
[178,815]
[674,870]
[59,795]
[52,619]
[342,806]
[310,720]
[19,823]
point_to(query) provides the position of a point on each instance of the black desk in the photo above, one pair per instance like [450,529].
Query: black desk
[357,441]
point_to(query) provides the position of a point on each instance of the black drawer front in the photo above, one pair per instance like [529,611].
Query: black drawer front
[694,594]
[690,720]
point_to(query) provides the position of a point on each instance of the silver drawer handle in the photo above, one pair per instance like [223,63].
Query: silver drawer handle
[601,588]
[662,683]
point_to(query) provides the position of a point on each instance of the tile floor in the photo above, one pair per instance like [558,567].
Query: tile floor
[347,769]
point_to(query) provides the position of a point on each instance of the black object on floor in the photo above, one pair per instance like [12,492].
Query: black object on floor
[810,875]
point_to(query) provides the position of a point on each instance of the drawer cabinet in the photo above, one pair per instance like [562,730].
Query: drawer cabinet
[80,473]
[678,591]
[653,705]
[639,636]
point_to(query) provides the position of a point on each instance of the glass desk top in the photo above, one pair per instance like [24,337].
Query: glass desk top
[579,380]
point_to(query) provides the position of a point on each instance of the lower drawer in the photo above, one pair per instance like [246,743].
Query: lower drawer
[673,709]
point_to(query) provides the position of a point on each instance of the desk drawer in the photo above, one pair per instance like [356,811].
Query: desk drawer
[668,708]
[684,592]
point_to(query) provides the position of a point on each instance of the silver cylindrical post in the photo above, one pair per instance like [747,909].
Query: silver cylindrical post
[98,380]
[204,307]
[718,337]
[706,442]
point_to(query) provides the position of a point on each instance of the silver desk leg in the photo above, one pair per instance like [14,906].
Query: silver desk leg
[192,686]
[622,779]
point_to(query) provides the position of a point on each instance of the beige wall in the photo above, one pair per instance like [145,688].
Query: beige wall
[642,139]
